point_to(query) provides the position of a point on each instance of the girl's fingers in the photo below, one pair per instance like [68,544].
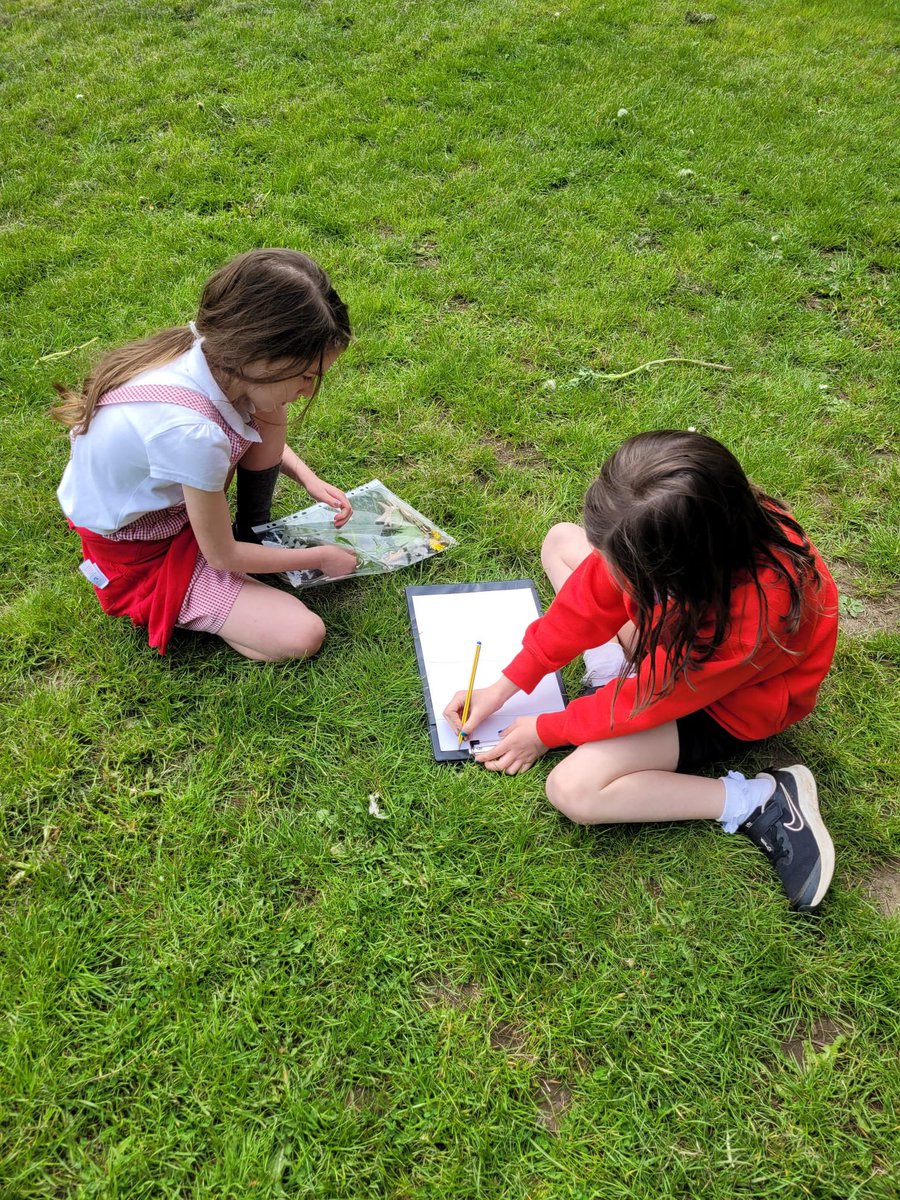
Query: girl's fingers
[453,711]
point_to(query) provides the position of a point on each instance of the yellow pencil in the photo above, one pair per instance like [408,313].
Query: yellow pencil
[465,716]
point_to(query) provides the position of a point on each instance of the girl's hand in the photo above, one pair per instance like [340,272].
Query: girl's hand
[329,494]
[336,562]
[519,749]
[484,702]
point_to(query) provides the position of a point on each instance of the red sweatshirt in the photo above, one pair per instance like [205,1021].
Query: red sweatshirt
[752,694]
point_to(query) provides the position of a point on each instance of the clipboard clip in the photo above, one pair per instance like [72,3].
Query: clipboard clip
[477,747]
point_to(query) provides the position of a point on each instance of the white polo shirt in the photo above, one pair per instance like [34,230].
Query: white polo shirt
[134,458]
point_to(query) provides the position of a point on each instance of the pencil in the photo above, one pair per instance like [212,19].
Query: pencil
[465,716]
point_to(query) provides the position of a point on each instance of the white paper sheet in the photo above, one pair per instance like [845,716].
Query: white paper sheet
[450,625]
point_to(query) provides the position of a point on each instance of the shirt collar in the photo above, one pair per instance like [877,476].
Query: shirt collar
[197,368]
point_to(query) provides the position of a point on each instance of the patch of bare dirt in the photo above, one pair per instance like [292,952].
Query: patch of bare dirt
[56,678]
[427,256]
[361,1098]
[823,1032]
[553,1100]
[513,456]
[883,887]
[646,239]
[860,615]
[512,1041]
[440,992]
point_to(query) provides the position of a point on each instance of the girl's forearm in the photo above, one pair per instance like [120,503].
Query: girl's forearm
[295,468]
[251,559]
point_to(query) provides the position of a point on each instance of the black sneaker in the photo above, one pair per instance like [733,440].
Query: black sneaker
[790,832]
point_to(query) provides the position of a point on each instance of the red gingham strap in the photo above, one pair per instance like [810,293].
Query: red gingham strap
[167,522]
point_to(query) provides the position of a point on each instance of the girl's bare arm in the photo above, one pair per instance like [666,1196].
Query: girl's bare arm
[210,520]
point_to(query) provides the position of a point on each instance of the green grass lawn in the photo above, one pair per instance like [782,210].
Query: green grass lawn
[221,977]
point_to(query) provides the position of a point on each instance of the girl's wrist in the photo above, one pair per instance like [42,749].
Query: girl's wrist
[302,475]
[503,689]
[295,468]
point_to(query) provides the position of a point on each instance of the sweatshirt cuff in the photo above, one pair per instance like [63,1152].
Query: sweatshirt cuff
[551,729]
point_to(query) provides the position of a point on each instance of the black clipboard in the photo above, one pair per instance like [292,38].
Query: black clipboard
[434,705]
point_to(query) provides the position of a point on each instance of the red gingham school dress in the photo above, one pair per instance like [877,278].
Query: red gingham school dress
[209,594]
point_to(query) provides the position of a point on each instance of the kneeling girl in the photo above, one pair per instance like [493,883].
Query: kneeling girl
[159,429]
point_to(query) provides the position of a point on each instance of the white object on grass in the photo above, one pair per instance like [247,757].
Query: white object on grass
[374,810]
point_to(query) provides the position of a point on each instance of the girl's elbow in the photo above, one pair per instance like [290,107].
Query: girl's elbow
[221,558]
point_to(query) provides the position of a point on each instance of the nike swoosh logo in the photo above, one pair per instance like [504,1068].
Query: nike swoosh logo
[796,822]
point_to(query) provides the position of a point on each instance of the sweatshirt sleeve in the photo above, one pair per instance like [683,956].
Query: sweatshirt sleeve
[589,610]
[737,663]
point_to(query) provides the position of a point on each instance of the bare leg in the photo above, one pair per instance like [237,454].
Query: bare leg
[269,625]
[632,778]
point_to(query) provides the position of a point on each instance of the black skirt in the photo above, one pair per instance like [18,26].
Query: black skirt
[702,740]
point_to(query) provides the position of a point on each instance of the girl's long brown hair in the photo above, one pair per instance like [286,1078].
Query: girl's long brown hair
[263,305]
[677,519]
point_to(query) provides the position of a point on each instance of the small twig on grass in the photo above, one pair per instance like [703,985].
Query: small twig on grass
[655,362]
[63,353]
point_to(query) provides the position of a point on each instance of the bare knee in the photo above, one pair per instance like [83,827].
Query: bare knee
[304,638]
[299,637]
[557,538]
[572,796]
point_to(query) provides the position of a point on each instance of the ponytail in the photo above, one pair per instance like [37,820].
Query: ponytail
[263,306]
[77,411]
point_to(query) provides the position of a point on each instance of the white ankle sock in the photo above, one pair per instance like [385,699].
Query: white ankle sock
[603,663]
[742,796]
